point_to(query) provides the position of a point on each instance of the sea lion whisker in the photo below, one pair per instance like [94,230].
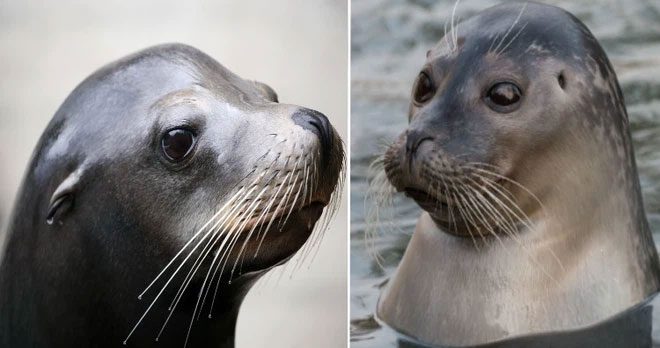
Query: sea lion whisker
[190,242]
[256,224]
[233,214]
[287,194]
[306,246]
[295,200]
[331,210]
[272,218]
[223,254]
[235,232]
[245,219]
[176,271]
[280,205]
[184,285]
[215,231]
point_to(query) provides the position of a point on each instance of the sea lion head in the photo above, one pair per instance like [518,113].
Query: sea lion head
[507,107]
[168,155]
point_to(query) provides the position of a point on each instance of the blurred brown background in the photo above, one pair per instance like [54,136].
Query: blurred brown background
[297,47]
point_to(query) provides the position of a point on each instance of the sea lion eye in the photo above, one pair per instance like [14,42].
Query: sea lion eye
[177,144]
[424,88]
[503,94]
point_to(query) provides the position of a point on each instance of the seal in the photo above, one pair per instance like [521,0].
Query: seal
[518,150]
[165,176]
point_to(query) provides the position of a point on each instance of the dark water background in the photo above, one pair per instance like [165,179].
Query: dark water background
[389,42]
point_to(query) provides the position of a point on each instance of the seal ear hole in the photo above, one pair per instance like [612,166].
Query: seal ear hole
[58,208]
[561,80]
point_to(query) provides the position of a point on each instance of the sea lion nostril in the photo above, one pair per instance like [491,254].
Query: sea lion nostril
[318,124]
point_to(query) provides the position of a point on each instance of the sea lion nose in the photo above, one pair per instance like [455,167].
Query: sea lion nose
[318,124]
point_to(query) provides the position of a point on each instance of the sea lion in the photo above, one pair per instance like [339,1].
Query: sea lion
[519,152]
[162,166]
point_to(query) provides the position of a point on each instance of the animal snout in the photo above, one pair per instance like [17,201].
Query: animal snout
[318,124]
[414,138]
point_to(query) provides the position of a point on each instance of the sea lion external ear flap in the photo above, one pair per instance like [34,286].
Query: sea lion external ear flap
[62,200]
[266,91]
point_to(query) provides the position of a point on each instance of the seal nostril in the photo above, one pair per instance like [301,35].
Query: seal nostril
[414,139]
[318,124]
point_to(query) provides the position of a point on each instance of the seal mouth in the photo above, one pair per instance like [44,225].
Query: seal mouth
[426,200]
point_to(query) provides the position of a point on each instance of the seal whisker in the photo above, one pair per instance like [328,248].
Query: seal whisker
[524,219]
[379,194]
[445,37]
[511,27]
[502,177]
[452,220]
[475,209]
[512,39]
[463,214]
[513,236]
[453,28]
[471,211]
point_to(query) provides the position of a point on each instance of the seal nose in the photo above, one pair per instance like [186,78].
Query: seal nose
[414,138]
[318,124]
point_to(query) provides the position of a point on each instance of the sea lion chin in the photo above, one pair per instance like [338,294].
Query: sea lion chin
[163,176]
[518,151]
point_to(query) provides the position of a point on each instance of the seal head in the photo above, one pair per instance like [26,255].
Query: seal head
[519,152]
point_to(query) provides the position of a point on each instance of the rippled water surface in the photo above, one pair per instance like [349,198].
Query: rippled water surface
[389,42]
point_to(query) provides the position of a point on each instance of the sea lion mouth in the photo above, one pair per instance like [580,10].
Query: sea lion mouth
[311,211]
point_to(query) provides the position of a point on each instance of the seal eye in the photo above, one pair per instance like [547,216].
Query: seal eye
[503,94]
[423,88]
[177,144]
